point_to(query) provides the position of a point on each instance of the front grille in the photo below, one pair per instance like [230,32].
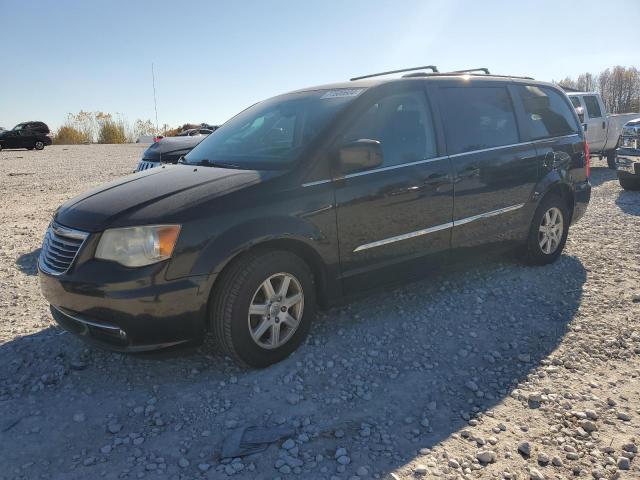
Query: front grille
[146,165]
[59,249]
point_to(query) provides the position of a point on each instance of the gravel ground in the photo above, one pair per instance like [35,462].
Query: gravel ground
[492,371]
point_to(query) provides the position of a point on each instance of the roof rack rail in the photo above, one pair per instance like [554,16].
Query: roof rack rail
[471,70]
[433,68]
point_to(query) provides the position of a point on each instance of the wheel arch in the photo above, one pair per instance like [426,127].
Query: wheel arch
[555,183]
[296,246]
[563,191]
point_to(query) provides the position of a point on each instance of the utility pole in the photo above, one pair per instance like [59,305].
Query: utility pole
[155,103]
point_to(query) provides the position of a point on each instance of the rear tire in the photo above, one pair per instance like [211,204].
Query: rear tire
[547,237]
[611,159]
[39,145]
[241,307]
[629,182]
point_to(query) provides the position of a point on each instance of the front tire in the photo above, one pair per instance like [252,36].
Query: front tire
[263,307]
[39,145]
[629,182]
[548,231]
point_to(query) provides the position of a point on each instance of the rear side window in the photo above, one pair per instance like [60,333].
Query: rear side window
[575,101]
[402,124]
[476,118]
[547,112]
[593,107]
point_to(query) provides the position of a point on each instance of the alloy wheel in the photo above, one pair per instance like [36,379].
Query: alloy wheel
[276,310]
[551,230]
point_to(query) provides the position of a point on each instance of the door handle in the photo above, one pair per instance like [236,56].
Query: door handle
[603,125]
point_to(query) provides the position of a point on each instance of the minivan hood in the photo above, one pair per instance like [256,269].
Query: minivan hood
[153,196]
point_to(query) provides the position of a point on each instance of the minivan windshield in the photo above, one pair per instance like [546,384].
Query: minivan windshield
[272,134]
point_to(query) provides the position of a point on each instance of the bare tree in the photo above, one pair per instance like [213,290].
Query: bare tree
[619,87]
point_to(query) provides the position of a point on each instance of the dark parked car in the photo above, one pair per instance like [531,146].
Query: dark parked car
[27,135]
[170,149]
[310,196]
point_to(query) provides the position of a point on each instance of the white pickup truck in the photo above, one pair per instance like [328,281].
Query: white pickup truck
[601,128]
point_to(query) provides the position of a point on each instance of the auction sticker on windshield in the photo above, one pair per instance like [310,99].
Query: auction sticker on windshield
[343,92]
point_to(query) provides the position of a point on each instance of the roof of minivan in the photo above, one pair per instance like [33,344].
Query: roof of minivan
[372,82]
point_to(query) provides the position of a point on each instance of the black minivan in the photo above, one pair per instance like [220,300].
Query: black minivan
[310,196]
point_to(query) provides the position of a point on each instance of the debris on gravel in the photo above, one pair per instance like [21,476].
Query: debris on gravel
[490,370]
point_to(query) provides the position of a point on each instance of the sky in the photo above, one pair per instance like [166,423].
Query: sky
[214,58]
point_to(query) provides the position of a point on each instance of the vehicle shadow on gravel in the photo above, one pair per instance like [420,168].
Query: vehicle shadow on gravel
[27,263]
[383,377]
[599,175]
[629,202]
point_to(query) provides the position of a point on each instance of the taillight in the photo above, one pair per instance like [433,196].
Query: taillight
[587,158]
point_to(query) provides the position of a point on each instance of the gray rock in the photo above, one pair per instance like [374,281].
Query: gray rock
[588,425]
[624,416]
[114,428]
[535,474]
[524,448]
[486,456]
[420,469]
[288,444]
[623,463]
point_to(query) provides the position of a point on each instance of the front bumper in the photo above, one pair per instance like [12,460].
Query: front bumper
[628,161]
[140,311]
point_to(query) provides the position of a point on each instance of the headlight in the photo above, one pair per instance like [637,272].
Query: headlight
[138,246]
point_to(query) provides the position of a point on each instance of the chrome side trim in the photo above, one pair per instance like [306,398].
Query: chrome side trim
[501,147]
[84,321]
[437,228]
[551,139]
[492,213]
[394,167]
[405,236]
[317,182]
[376,170]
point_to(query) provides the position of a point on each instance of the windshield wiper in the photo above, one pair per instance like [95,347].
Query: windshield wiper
[209,163]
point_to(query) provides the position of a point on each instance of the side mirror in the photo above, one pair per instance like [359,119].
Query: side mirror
[360,155]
